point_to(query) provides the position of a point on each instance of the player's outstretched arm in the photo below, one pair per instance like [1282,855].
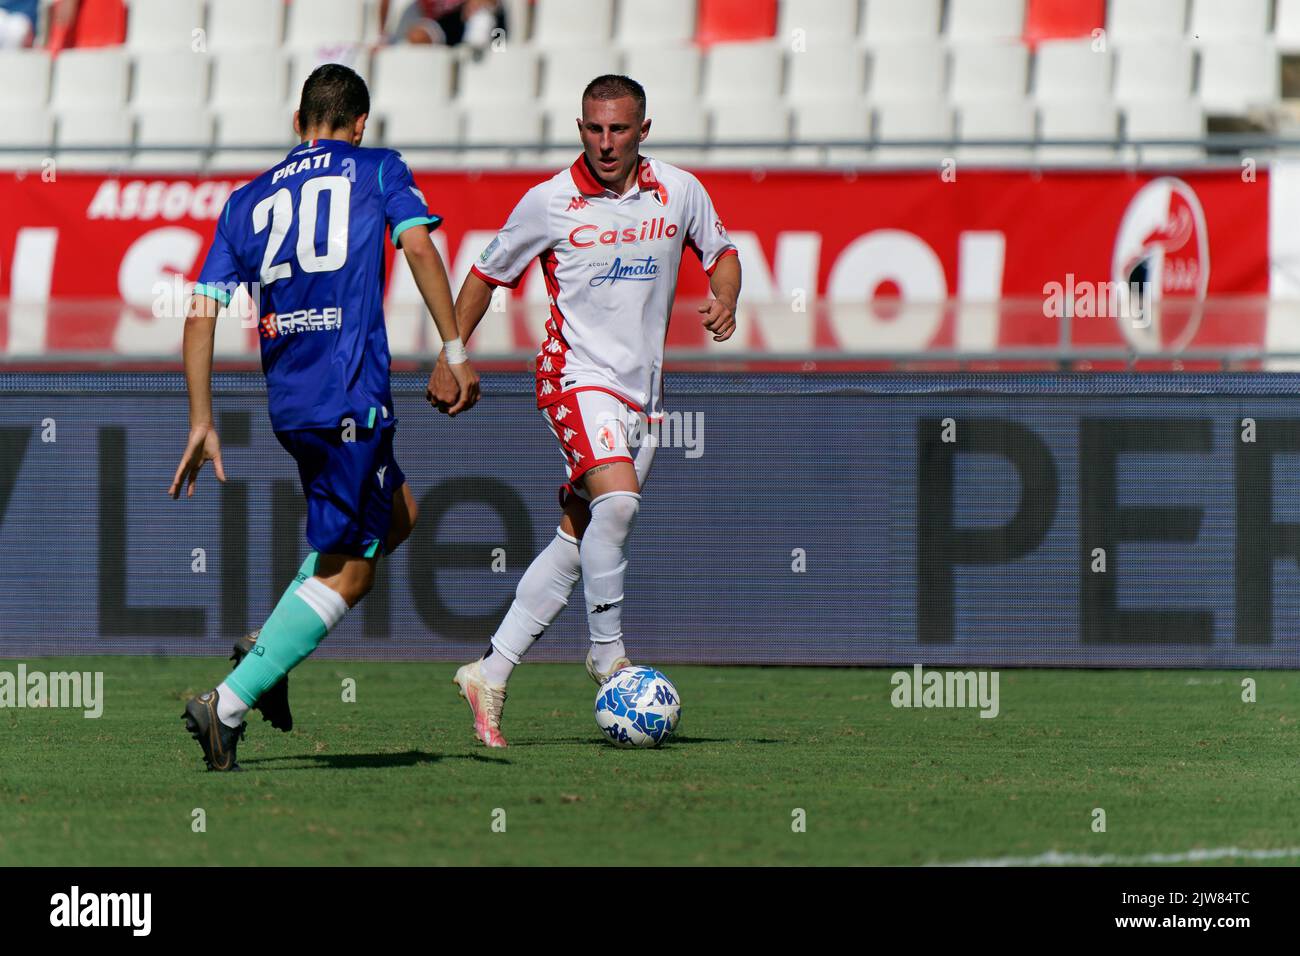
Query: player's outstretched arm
[203,444]
[720,312]
[431,279]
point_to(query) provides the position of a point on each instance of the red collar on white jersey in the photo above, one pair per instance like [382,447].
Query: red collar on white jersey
[589,185]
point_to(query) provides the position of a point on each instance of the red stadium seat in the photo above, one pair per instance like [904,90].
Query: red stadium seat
[97,23]
[722,21]
[1062,19]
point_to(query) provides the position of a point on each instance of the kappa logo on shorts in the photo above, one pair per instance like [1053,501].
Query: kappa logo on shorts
[380,474]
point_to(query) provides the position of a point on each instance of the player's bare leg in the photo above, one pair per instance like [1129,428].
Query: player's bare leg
[405,511]
[614,498]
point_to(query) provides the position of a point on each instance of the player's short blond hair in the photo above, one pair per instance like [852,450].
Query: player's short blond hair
[613,86]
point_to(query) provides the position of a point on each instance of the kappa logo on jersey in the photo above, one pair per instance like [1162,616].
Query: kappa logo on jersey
[589,234]
[380,475]
[577,202]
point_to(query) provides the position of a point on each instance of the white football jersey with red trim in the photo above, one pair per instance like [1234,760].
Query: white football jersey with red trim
[610,264]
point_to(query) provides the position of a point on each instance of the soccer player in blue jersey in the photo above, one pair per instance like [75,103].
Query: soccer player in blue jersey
[306,239]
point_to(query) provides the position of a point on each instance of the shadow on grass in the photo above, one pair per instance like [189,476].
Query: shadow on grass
[409,758]
[669,743]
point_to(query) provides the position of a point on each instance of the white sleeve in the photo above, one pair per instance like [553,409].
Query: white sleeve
[705,235]
[520,241]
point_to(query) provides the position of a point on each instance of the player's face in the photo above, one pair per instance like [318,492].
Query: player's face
[611,132]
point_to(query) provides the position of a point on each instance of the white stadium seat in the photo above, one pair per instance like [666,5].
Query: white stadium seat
[165,25]
[1287,26]
[1010,120]
[514,125]
[245,24]
[24,78]
[1071,69]
[509,77]
[676,121]
[1082,119]
[564,23]
[911,71]
[817,19]
[1160,71]
[970,20]
[668,73]
[90,78]
[323,23]
[900,21]
[1238,76]
[843,119]
[989,71]
[409,75]
[171,128]
[247,79]
[1172,119]
[742,71]
[26,127]
[838,70]
[565,76]
[1128,20]
[560,127]
[269,126]
[745,122]
[668,23]
[432,124]
[93,127]
[1219,21]
[170,79]
[903,120]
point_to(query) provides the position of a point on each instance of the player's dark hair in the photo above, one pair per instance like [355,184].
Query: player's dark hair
[333,96]
[612,86]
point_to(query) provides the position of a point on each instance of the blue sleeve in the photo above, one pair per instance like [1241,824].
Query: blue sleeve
[220,276]
[404,204]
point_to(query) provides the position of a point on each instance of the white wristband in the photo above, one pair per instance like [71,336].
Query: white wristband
[454,350]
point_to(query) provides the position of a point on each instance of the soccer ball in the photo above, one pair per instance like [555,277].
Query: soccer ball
[638,707]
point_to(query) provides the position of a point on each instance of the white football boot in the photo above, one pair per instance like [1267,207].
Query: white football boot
[486,701]
[600,678]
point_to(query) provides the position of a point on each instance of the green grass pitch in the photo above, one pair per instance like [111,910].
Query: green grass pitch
[1175,758]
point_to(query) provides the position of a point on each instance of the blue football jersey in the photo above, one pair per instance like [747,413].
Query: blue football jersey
[306,239]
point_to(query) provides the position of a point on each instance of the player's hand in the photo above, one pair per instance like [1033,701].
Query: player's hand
[203,446]
[467,380]
[720,319]
[443,391]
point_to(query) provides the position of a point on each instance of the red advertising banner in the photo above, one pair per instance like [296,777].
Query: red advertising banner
[889,262]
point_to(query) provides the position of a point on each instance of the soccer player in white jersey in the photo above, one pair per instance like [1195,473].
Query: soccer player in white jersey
[609,231]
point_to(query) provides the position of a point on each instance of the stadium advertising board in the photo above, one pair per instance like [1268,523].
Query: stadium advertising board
[833,261]
[1036,520]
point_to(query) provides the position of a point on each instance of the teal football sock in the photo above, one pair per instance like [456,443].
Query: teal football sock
[305,614]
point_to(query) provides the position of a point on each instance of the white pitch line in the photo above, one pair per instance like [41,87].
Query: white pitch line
[1056,858]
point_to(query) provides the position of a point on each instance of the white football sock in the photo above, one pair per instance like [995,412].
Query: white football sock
[230,709]
[604,561]
[543,592]
[604,655]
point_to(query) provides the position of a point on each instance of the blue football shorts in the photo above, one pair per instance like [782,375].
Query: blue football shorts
[349,486]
